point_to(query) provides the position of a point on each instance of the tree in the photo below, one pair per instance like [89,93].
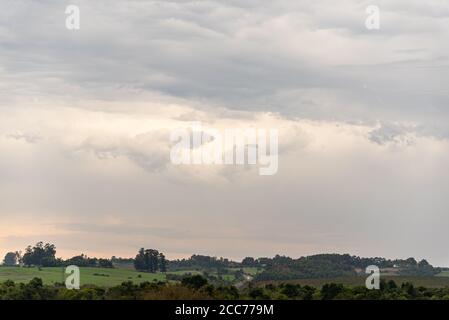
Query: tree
[82,261]
[391,284]
[162,263]
[139,261]
[40,255]
[423,263]
[291,290]
[105,263]
[258,293]
[195,282]
[10,259]
[149,260]
[249,262]
[411,261]
[330,290]
[154,260]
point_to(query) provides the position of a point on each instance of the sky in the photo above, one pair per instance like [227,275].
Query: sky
[362,115]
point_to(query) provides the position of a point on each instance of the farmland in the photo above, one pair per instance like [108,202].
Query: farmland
[105,277]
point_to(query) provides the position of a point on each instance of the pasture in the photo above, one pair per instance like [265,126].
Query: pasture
[105,277]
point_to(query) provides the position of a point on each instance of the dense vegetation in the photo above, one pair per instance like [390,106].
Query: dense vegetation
[336,265]
[201,262]
[277,268]
[150,274]
[150,260]
[44,255]
[197,287]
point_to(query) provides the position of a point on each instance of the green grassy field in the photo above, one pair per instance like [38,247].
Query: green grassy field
[429,282]
[99,276]
[106,277]
[248,270]
[182,272]
[444,273]
[252,271]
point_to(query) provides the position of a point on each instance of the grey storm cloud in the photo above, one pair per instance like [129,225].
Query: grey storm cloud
[255,56]
[85,118]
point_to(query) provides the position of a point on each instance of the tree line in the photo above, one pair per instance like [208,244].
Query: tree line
[334,265]
[150,260]
[276,268]
[197,287]
[44,255]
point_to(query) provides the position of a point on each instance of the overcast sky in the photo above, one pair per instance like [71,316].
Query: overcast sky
[85,119]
